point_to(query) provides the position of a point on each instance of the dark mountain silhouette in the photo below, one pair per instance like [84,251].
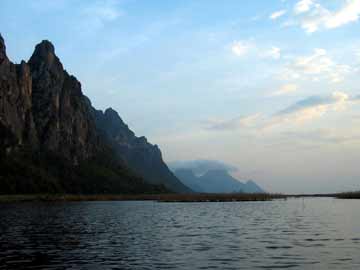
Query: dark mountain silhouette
[53,140]
[216,181]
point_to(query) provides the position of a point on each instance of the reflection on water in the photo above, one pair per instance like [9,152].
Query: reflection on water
[297,233]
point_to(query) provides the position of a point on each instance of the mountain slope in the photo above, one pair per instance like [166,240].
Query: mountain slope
[49,129]
[141,156]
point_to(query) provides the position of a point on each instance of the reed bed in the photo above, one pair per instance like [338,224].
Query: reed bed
[349,195]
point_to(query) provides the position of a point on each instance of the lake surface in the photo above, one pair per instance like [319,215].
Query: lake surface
[310,233]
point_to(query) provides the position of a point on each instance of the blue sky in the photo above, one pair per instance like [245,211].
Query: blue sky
[271,87]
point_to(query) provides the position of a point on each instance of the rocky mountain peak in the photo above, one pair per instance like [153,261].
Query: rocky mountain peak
[44,54]
[115,125]
[45,47]
[110,113]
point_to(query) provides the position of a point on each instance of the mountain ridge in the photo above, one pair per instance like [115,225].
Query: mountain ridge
[49,127]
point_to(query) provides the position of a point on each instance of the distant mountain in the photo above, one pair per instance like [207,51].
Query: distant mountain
[216,181]
[53,140]
[188,178]
[252,187]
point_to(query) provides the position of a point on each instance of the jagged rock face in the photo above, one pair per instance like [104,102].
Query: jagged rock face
[61,113]
[113,126]
[42,107]
[16,121]
[143,157]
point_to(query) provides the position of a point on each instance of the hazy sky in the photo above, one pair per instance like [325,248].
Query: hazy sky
[271,87]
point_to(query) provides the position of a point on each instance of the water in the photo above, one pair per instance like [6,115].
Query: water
[311,233]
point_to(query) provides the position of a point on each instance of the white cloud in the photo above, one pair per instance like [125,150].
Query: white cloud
[274,53]
[318,65]
[314,19]
[286,89]
[277,14]
[100,12]
[303,6]
[313,16]
[349,13]
[240,48]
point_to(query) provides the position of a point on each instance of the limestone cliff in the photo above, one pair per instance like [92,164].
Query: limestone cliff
[49,128]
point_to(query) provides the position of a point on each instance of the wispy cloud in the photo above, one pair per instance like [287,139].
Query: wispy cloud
[273,52]
[297,114]
[98,13]
[310,109]
[241,48]
[233,124]
[315,66]
[313,16]
[277,14]
[286,89]
[303,6]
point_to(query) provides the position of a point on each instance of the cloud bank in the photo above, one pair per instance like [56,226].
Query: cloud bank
[201,166]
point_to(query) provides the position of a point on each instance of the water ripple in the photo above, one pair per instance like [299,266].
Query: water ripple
[292,234]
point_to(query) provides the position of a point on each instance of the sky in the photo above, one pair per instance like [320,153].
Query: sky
[270,87]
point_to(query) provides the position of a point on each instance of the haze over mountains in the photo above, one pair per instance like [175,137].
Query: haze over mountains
[211,176]
[53,140]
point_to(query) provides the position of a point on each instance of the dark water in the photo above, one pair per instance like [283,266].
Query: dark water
[296,234]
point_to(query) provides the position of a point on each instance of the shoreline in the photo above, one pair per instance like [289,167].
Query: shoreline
[139,197]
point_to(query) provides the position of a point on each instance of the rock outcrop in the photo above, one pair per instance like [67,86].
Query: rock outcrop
[43,113]
[16,120]
[61,112]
